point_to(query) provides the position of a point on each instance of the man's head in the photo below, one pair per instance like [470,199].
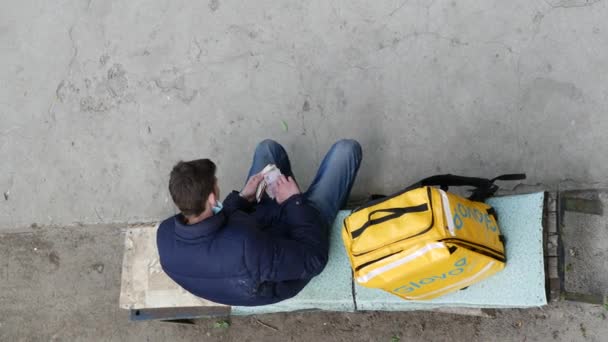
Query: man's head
[193,186]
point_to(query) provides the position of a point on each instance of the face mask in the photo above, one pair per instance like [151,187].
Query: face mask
[217,208]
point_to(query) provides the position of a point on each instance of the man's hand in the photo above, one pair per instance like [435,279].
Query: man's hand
[285,188]
[248,191]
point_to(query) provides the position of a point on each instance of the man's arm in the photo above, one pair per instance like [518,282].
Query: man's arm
[246,198]
[302,255]
[234,201]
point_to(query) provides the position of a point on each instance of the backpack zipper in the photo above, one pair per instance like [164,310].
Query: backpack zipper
[497,254]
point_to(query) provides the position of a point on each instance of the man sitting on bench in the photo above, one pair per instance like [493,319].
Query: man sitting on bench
[247,253]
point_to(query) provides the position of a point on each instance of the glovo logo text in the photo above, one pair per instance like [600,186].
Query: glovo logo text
[464,213]
[459,267]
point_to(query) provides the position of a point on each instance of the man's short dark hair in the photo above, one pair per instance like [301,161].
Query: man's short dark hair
[190,185]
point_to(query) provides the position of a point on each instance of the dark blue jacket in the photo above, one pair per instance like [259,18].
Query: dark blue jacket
[246,255]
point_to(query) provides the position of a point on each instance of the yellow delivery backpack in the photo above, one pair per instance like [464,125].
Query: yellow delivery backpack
[424,242]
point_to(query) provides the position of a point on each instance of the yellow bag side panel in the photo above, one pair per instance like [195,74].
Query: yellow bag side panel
[397,247]
[480,268]
[472,222]
[406,264]
[437,274]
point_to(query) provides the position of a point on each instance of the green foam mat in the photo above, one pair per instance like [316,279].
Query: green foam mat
[520,284]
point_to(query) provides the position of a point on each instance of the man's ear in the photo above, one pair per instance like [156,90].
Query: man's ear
[211,201]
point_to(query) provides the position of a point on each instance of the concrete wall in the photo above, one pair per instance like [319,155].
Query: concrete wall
[98,99]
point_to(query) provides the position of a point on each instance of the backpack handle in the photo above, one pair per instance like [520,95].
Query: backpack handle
[484,187]
[393,214]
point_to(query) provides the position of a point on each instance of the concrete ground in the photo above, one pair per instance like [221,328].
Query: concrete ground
[62,284]
[98,99]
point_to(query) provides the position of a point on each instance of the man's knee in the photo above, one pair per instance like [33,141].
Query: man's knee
[267,145]
[348,146]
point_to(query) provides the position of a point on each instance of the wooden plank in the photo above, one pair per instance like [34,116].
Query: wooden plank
[554,289]
[551,246]
[551,201]
[551,223]
[552,267]
[144,284]
[179,314]
[466,312]
[551,237]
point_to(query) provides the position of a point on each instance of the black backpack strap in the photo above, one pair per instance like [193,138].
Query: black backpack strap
[510,177]
[484,187]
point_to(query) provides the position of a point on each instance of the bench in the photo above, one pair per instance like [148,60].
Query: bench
[150,294]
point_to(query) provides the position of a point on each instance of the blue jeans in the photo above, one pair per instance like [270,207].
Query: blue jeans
[331,186]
